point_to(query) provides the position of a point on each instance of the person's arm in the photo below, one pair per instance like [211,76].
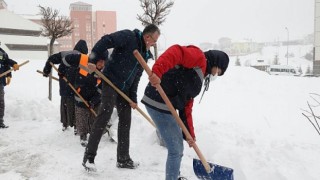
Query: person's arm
[186,117]
[113,40]
[55,59]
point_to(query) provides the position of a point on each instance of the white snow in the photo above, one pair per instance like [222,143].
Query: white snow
[248,120]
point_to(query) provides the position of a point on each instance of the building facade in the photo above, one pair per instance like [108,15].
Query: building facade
[88,25]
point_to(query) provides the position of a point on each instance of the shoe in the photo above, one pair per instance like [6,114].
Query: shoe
[64,128]
[129,164]
[88,163]
[83,140]
[75,131]
[2,126]
[182,178]
[83,143]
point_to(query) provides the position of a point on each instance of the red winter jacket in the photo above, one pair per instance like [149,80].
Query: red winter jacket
[181,70]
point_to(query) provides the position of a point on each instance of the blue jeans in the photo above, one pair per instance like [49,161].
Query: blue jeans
[172,136]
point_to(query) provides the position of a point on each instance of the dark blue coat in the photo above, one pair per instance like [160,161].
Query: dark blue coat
[5,64]
[122,69]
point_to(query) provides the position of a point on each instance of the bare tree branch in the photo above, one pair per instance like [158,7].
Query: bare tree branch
[54,26]
[312,123]
[315,119]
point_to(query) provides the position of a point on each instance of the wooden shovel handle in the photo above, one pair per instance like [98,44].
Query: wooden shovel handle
[71,86]
[124,96]
[6,72]
[49,75]
[172,110]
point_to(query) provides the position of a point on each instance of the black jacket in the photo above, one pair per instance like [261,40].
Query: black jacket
[89,87]
[123,69]
[65,68]
[5,64]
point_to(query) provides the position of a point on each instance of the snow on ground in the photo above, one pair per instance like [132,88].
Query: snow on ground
[248,120]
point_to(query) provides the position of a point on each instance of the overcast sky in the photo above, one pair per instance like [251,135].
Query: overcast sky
[196,21]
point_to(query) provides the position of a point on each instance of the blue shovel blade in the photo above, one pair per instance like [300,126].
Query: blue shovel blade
[217,172]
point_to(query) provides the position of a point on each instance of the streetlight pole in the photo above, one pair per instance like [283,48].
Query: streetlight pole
[287,45]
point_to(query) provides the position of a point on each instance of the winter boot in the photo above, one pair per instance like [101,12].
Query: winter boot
[182,178]
[83,140]
[2,126]
[129,164]
[88,163]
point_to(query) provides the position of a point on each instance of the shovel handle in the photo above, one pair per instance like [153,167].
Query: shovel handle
[172,110]
[71,86]
[124,96]
[49,75]
[6,72]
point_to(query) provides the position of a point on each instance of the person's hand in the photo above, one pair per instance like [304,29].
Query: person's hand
[45,74]
[91,67]
[154,79]
[191,142]
[15,67]
[133,105]
[8,80]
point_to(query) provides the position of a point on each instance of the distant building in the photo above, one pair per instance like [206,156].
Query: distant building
[88,25]
[21,38]
[3,5]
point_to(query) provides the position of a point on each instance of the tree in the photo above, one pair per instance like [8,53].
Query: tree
[238,63]
[310,114]
[155,12]
[54,27]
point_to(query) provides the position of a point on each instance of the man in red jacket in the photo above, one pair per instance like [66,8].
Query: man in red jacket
[180,70]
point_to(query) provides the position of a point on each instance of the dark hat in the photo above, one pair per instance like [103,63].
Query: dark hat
[81,46]
[218,59]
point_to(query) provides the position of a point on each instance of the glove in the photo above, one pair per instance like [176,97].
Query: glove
[45,75]
[15,67]
[8,80]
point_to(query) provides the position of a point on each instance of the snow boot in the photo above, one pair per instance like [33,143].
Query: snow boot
[129,164]
[3,126]
[88,163]
[83,140]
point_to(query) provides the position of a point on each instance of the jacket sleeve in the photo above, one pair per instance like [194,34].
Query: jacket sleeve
[186,117]
[9,64]
[134,87]
[55,59]
[186,56]
[113,40]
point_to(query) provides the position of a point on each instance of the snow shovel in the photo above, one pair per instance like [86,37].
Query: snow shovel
[8,71]
[202,169]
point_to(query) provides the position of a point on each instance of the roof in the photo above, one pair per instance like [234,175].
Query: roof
[10,20]
[80,3]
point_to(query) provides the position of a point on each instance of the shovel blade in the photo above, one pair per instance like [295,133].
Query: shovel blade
[217,172]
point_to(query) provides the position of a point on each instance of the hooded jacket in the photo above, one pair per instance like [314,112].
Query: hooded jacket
[65,68]
[181,70]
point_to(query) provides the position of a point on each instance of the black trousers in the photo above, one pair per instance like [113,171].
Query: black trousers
[67,111]
[110,99]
